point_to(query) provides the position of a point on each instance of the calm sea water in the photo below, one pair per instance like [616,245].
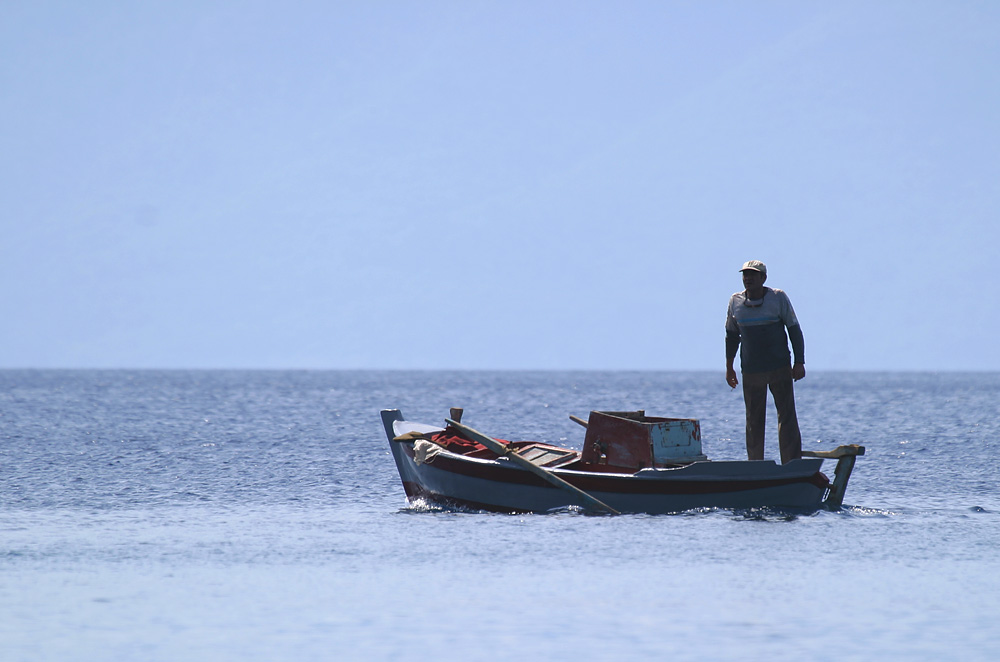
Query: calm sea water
[258,516]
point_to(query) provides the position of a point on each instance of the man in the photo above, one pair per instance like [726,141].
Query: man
[755,324]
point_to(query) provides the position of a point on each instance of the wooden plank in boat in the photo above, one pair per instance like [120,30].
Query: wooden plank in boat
[546,456]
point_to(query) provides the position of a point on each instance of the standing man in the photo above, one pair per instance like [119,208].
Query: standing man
[757,319]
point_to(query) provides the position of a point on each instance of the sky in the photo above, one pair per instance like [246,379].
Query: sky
[495,185]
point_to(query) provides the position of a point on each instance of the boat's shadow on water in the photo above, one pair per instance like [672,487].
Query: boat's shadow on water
[761,514]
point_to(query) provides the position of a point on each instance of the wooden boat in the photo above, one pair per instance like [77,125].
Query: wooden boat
[630,463]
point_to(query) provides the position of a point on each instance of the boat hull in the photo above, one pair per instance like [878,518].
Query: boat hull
[500,485]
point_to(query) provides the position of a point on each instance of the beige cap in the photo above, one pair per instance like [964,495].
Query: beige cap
[754,265]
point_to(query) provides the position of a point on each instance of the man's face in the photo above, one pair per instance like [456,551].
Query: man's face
[752,279]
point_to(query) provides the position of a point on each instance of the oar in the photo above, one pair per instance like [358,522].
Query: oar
[541,472]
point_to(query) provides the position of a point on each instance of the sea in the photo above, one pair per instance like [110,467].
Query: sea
[257,515]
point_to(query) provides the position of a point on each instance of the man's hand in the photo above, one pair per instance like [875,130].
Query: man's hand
[731,377]
[798,371]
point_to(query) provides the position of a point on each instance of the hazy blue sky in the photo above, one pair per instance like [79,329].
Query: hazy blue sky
[507,184]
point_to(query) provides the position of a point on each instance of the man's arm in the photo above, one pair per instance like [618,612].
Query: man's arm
[732,346]
[798,352]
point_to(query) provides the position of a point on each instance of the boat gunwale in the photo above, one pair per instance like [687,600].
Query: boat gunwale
[511,474]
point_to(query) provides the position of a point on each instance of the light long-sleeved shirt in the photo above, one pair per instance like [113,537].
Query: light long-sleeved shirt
[757,329]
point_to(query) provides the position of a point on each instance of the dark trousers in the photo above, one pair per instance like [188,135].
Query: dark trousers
[755,387]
